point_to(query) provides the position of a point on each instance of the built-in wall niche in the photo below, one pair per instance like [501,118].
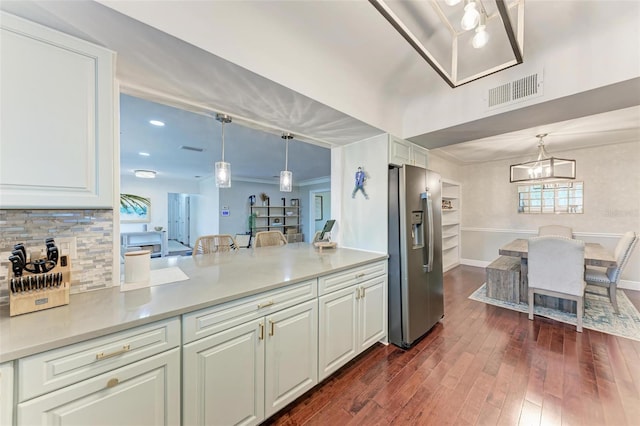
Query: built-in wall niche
[557,197]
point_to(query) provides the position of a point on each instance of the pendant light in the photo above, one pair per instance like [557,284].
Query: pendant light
[223,169]
[286,177]
[544,167]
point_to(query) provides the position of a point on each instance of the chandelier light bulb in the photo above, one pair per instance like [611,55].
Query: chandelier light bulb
[452,2]
[471,16]
[481,38]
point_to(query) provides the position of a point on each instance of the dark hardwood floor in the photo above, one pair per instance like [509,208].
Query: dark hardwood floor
[483,365]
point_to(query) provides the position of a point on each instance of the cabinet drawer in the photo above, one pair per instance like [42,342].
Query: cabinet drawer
[146,392]
[48,371]
[205,322]
[344,279]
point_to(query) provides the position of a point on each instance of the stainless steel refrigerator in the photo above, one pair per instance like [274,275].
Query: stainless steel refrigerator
[416,300]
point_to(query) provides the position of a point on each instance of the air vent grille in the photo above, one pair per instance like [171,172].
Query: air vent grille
[191,148]
[515,91]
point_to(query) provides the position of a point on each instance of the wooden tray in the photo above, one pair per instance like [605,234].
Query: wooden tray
[38,300]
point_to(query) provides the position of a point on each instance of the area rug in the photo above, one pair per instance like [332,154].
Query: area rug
[598,312]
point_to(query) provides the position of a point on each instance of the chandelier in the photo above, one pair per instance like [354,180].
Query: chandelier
[544,167]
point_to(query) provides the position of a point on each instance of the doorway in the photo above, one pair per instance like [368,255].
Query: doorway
[179,218]
[319,209]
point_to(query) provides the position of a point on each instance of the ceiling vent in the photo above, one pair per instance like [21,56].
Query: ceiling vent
[191,148]
[515,91]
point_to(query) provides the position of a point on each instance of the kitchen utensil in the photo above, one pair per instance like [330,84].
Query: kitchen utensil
[16,265]
[20,247]
[52,254]
[13,285]
[20,254]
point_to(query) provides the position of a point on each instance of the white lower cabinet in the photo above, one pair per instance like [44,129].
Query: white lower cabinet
[6,393]
[146,392]
[245,374]
[351,320]
[291,355]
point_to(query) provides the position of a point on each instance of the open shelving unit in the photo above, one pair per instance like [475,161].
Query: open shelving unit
[451,209]
[285,219]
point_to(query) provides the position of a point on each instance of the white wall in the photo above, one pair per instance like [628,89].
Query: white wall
[362,223]
[307,193]
[447,169]
[157,190]
[611,203]
[326,210]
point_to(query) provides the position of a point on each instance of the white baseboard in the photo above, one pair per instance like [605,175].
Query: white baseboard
[629,285]
[474,262]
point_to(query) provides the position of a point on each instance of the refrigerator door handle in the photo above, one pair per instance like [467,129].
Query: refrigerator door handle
[428,248]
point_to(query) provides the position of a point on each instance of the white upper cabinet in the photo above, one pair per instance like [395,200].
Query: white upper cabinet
[57,132]
[404,152]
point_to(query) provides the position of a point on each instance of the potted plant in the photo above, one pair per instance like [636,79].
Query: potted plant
[252,223]
[265,198]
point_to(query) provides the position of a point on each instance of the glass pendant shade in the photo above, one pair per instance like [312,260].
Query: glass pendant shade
[223,174]
[471,16]
[286,181]
[286,177]
[223,169]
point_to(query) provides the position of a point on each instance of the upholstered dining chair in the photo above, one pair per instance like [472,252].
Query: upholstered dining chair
[214,244]
[556,268]
[269,238]
[609,277]
[557,230]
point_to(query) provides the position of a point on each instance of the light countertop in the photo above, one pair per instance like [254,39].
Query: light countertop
[213,279]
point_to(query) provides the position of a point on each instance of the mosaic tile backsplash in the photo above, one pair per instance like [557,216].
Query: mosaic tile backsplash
[91,269]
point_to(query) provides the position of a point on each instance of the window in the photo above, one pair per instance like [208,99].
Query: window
[561,197]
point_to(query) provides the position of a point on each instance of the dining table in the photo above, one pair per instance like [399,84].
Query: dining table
[594,255]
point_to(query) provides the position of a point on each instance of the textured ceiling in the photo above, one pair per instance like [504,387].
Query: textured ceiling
[324,50]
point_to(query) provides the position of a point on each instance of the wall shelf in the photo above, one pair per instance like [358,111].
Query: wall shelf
[451,195]
[287,217]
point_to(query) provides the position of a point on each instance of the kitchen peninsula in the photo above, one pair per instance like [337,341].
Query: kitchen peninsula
[272,321]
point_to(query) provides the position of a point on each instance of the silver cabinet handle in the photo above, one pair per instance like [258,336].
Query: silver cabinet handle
[102,355]
[265,304]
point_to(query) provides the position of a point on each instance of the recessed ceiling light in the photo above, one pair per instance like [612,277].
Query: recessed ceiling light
[157,123]
[145,174]
[144,154]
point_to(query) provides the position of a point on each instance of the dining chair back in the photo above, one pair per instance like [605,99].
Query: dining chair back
[609,277]
[269,238]
[214,244]
[557,230]
[556,268]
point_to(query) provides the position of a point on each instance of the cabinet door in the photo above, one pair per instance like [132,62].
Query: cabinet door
[399,151]
[6,393]
[57,132]
[337,330]
[372,312]
[419,156]
[291,354]
[223,377]
[146,392]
